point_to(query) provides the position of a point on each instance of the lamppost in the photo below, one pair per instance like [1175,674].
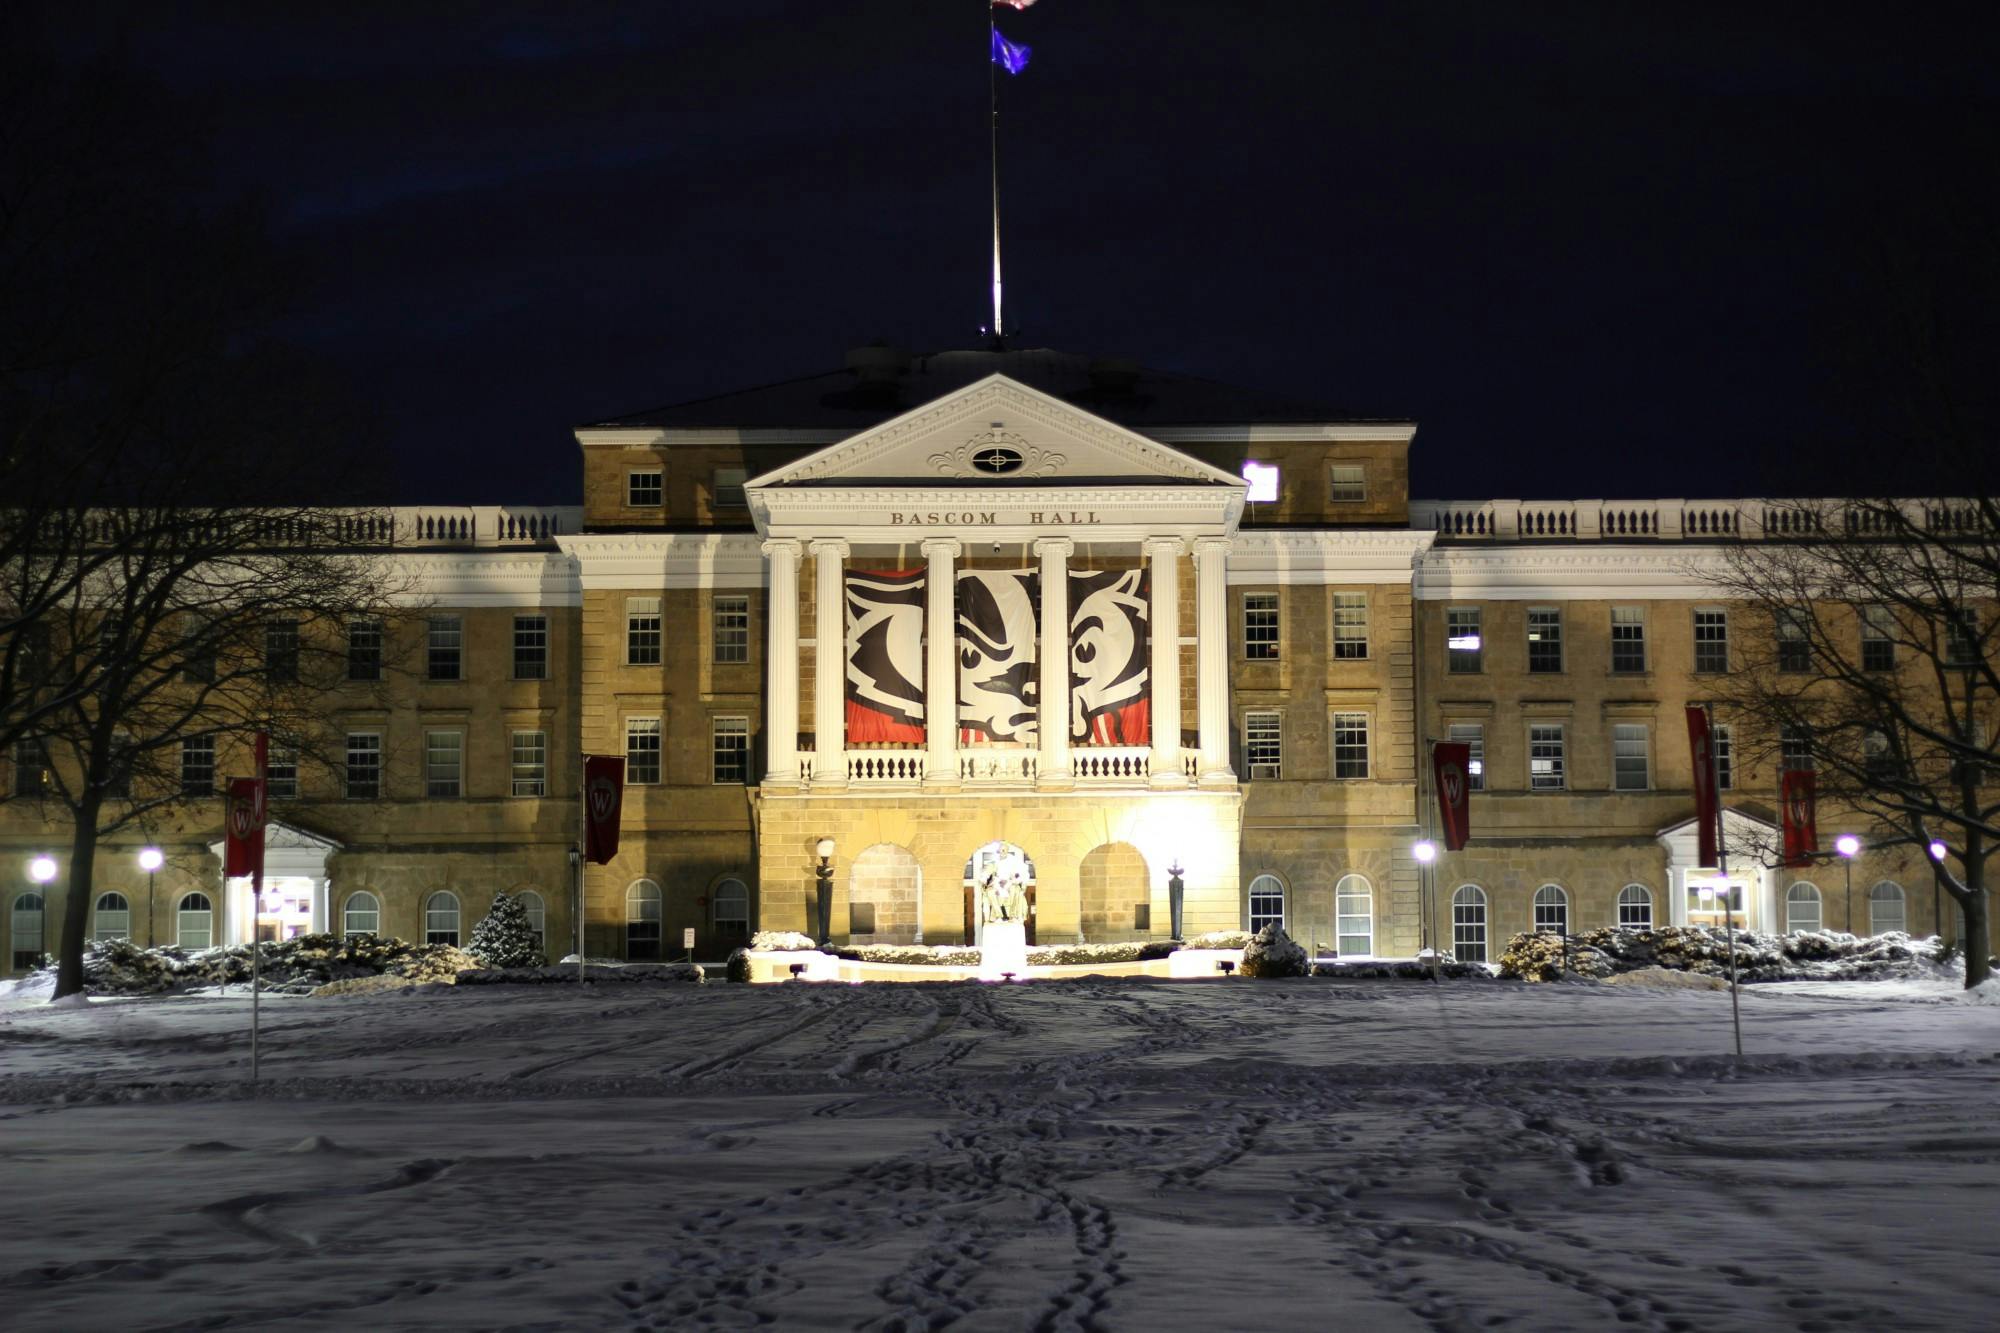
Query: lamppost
[41,870]
[576,902]
[1426,852]
[1937,851]
[1849,847]
[1176,891]
[150,861]
[823,889]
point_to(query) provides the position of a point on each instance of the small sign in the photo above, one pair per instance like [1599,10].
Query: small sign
[687,938]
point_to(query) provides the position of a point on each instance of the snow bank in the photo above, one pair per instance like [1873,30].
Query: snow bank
[621,972]
[1809,956]
[297,966]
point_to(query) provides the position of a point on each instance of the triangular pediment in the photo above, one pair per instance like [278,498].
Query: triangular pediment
[996,430]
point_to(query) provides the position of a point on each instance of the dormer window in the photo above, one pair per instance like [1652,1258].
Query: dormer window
[1349,483]
[728,487]
[644,489]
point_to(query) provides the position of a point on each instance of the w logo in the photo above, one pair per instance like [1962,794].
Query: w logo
[242,818]
[1453,782]
[603,798]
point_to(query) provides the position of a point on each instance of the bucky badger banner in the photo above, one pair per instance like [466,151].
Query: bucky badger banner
[997,664]
[885,656]
[1110,651]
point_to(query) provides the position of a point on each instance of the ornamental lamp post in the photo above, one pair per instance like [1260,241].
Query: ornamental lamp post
[1176,892]
[1426,852]
[1849,847]
[42,869]
[1937,850]
[150,861]
[823,889]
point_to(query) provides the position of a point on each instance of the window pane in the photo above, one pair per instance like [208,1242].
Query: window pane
[1545,758]
[198,765]
[731,736]
[1260,626]
[1725,762]
[1551,910]
[732,629]
[643,488]
[530,763]
[1354,916]
[1473,736]
[363,915]
[1545,651]
[1468,924]
[1349,482]
[364,765]
[444,763]
[281,775]
[1263,744]
[1628,639]
[364,650]
[642,631]
[531,647]
[1878,645]
[1711,641]
[441,919]
[446,648]
[642,750]
[1350,745]
[728,487]
[1267,902]
[1462,641]
[1350,625]
[1628,741]
[281,650]
[1794,649]
[1635,907]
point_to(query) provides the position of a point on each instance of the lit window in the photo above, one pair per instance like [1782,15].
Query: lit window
[1628,756]
[1263,479]
[1354,917]
[642,750]
[194,922]
[1468,924]
[1267,902]
[1348,483]
[25,932]
[643,489]
[1461,640]
[444,763]
[1350,625]
[113,918]
[445,656]
[642,631]
[1350,745]
[1545,640]
[1472,735]
[1260,626]
[1545,758]
[530,763]
[732,629]
[1263,744]
[1628,639]
[730,737]
[364,765]
[531,647]
[363,915]
[198,765]
[1711,641]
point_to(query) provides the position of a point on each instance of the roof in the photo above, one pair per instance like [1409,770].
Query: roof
[879,384]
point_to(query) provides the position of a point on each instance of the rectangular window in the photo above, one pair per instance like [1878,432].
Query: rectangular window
[730,741]
[364,765]
[118,784]
[1795,750]
[198,766]
[1545,758]
[1350,626]
[1545,640]
[31,769]
[1462,644]
[1472,735]
[1794,648]
[197,652]
[1628,757]
[1260,626]
[642,750]
[531,763]
[1725,758]
[1348,483]
[727,487]
[444,763]
[1711,641]
[281,650]
[364,650]
[1878,642]
[1961,638]
[1263,744]
[1350,745]
[281,775]
[643,490]
[642,631]
[446,648]
[531,647]
[732,630]
[1628,639]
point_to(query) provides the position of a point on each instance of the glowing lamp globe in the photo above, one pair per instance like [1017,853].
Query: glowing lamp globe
[42,869]
[1847,844]
[151,859]
[1938,850]
[824,849]
[1425,852]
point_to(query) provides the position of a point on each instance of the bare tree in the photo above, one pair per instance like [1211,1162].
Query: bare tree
[1877,663]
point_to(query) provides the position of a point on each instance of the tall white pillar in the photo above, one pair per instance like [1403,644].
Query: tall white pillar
[941,659]
[781,666]
[829,664]
[1053,689]
[1166,631]
[1211,682]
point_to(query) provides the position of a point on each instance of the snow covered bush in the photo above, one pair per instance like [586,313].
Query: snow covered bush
[1810,956]
[1273,953]
[930,955]
[780,941]
[737,966]
[296,966]
[1124,951]
[503,937]
[1402,969]
[1220,939]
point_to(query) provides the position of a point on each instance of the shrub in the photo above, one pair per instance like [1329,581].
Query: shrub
[780,941]
[503,937]
[1221,939]
[737,968]
[1273,953]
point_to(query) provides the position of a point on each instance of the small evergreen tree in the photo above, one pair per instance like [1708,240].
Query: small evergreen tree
[503,937]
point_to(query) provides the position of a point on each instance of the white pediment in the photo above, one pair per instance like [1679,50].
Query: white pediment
[1023,435]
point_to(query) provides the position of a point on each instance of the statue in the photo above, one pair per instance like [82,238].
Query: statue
[1003,919]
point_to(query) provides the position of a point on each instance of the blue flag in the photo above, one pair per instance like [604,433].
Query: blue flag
[1010,56]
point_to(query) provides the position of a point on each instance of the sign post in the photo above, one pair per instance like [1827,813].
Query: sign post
[603,812]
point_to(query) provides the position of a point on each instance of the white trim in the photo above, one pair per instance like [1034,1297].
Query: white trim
[1358,556]
[1595,572]
[514,579]
[1392,432]
[656,560]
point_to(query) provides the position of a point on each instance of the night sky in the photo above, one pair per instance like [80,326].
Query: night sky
[1593,249]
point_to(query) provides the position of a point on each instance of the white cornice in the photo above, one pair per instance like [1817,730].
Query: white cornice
[1579,573]
[999,513]
[1371,432]
[1340,555]
[484,578]
[655,437]
[618,560]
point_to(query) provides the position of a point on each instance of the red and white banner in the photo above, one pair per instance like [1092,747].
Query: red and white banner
[885,657]
[243,829]
[603,804]
[1450,761]
[1110,658]
[1707,811]
[1798,794]
[998,668]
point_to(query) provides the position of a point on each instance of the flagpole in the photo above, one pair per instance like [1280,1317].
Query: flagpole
[993,98]
[1722,869]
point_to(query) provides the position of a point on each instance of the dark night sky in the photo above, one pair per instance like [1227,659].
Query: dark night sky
[1592,248]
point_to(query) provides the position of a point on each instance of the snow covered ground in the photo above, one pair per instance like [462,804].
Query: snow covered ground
[1119,1154]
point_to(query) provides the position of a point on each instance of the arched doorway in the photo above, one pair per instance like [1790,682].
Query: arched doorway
[1000,857]
[1115,892]
[884,888]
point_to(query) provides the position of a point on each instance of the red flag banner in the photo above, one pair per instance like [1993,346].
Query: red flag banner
[1707,814]
[603,803]
[1797,792]
[243,828]
[1449,762]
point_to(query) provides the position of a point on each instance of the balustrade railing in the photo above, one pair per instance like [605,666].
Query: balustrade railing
[1112,763]
[886,768]
[1689,520]
[1095,765]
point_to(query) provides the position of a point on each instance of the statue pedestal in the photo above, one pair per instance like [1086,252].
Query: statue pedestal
[1003,948]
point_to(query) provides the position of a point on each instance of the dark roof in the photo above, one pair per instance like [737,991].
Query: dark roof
[879,384]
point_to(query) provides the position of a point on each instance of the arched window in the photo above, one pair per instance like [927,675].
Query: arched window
[1635,907]
[26,932]
[362,916]
[1885,908]
[113,918]
[1551,909]
[1802,908]
[643,910]
[1354,917]
[1267,902]
[538,917]
[194,922]
[441,918]
[1468,924]
[732,907]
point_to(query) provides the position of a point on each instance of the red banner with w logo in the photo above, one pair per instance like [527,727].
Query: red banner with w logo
[1798,794]
[603,804]
[1701,742]
[1449,762]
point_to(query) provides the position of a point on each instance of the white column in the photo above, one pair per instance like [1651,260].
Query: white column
[1053,696]
[781,667]
[1211,563]
[941,659]
[1166,631]
[829,664]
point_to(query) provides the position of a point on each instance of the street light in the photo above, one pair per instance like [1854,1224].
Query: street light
[1849,847]
[42,869]
[1937,850]
[1425,852]
[823,887]
[150,861]
[1176,893]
